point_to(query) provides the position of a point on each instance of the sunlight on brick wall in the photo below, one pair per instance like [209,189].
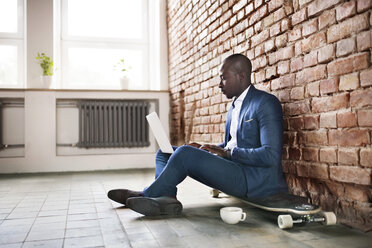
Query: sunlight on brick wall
[315,56]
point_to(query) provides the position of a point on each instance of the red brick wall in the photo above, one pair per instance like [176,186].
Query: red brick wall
[315,56]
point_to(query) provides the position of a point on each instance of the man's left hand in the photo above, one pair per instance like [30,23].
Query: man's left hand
[219,151]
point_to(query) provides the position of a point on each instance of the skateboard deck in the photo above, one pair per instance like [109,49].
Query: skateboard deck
[297,209]
[284,203]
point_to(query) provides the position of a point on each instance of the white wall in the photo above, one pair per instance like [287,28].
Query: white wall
[40,132]
[39,38]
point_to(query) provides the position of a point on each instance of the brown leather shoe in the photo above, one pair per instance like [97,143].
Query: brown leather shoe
[155,206]
[121,195]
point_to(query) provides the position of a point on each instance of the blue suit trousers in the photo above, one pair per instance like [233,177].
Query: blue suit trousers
[209,169]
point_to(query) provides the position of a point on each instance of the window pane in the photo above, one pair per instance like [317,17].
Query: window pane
[8,16]
[95,68]
[8,65]
[105,18]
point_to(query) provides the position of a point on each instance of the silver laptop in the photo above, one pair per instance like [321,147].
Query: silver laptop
[159,133]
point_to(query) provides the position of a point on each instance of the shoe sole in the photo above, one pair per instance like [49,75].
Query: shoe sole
[150,207]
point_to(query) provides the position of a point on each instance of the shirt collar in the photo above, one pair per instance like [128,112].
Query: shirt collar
[242,95]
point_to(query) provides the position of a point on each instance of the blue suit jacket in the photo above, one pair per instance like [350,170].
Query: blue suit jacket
[259,143]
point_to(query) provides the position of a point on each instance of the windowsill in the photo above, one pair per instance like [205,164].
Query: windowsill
[78,90]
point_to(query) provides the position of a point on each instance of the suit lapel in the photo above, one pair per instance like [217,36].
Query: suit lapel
[228,123]
[245,104]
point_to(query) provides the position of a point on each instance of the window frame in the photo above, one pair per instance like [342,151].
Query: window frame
[17,39]
[70,41]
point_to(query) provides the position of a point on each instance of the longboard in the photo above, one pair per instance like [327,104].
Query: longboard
[297,209]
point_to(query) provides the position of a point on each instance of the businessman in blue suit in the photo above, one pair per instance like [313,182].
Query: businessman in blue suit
[247,164]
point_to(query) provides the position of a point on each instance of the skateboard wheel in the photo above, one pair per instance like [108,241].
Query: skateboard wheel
[285,221]
[329,218]
[215,193]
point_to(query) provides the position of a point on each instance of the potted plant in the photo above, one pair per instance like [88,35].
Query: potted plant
[123,68]
[46,64]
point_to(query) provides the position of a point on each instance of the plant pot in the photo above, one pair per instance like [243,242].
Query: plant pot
[46,81]
[124,82]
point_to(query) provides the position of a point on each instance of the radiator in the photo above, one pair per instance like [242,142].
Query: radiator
[113,123]
[1,125]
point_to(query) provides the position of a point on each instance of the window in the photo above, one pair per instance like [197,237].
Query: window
[96,38]
[11,43]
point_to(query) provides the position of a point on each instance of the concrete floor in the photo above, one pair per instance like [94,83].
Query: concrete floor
[72,210]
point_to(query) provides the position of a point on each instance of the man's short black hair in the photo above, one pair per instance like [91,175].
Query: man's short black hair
[240,64]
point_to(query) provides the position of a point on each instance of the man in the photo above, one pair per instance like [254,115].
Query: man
[247,164]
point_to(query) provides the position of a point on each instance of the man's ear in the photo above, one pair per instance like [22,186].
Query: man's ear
[242,77]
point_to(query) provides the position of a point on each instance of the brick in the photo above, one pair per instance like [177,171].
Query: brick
[275,4]
[279,14]
[271,72]
[346,119]
[330,103]
[257,3]
[283,95]
[285,25]
[356,193]
[283,67]
[283,82]
[345,47]
[311,122]
[326,53]
[260,76]
[326,19]
[348,137]
[303,2]
[296,123]
[299,17]
[294,153]
[311,59]
[346,65]
[260,38]
[249,9]
[311,74]
[269,46]
[319,171]
[347,27]
[345,10]
[348,156]
[310,27]
[319,6]
[239,5]
[328,155]
[310,154]
[313,41]
[363,5]
[275,29]
[361,98]
[365,117]
[258,15]
[328,120]
[364,40]
[317,138]
[328,86]
[259,50]
[366,157]
[297,108]
[282,54]
[349,82]
[281,41]
[312,89]
[295,34]
[290,138]
[259,62]
[297,93]
[350,174]
[297,64]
